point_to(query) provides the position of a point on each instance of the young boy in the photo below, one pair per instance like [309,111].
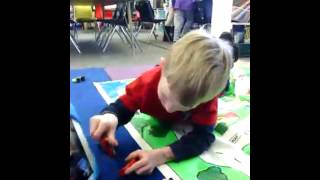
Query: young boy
[183,89]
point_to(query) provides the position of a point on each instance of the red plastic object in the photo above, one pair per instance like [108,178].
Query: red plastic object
[108,14]
[129,164]
[99,11]
[107,148]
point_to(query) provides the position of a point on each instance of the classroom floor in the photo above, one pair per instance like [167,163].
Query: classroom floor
[118,60]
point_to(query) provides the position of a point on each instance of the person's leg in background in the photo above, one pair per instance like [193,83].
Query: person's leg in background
[189,21]
[169,21]
[178,23]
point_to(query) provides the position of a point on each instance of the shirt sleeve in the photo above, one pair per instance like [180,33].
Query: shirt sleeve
[193,143]
[117,108]
[201,137]
[126,105]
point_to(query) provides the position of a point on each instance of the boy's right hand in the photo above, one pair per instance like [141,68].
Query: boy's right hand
[104,126]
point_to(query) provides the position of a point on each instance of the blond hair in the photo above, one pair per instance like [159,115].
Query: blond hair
[197,67]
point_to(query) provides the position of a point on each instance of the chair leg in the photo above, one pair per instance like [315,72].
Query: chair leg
[137,33]
[155,35]
[75,44]
[126,35]
[109,39]
[154,31]
[138,44]
[96,30]
[101,36]
[135,41]
[153,28]
[100,32]
[105,37]
[119,34]
[75,33]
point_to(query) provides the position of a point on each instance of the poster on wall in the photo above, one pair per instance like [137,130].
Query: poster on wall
[241,11]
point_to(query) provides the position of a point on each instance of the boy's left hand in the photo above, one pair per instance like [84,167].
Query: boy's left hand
[148,160]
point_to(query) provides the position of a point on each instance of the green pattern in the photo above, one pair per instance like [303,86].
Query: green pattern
[154,134]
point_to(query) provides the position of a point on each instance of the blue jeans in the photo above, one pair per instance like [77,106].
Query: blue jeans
[183,20]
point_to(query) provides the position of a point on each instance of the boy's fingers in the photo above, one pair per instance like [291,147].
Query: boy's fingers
[111,139]
[93,125]
[135,166]
[144,170]
[99,131]
[132,155]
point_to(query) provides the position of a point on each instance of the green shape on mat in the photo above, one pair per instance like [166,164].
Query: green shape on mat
[227,98]
[158,132]
[230,91]
[197,165]
[217,134]
[242,112]
[244,98]
[221,128]
[152,132]
[234,174]
[211,173]
[246,149]
[158,142]
[143,121]
[182,168]
[146,125]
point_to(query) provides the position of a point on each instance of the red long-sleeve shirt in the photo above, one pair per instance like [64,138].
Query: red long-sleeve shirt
[142,94]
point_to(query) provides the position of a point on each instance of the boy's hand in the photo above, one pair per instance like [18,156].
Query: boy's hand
[104,126]
[148,160]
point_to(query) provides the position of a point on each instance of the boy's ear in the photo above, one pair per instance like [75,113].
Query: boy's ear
[162,61]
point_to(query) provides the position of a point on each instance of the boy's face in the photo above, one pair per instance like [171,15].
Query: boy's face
[168,98]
